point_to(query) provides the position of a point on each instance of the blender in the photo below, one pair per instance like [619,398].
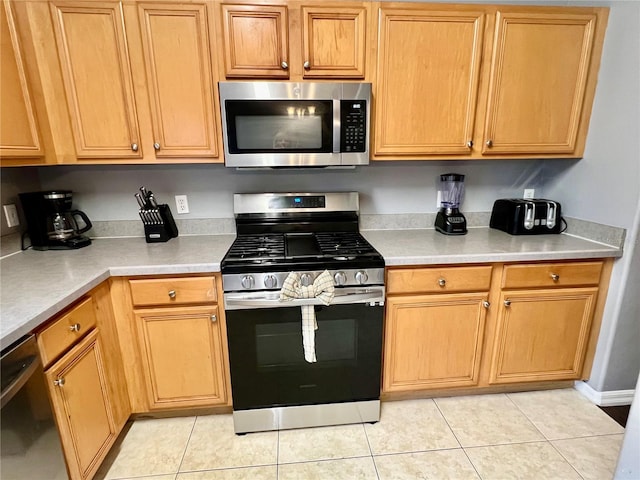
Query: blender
[449,220]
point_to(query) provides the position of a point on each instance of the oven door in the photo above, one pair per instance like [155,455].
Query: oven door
[268,368]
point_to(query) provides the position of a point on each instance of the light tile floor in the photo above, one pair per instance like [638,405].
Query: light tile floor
[555,434]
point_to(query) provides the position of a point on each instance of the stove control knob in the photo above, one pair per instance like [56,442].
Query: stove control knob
[306,279]
[270,281]
[247,281]
[340,278]
[361,277]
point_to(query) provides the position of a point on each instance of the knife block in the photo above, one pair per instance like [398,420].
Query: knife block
[161,232]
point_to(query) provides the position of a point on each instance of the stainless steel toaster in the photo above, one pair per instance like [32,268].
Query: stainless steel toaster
[526,216]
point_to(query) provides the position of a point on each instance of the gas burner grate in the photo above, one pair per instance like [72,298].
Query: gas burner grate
[344,244]
[256,247]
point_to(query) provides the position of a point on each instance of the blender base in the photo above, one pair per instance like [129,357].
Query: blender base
[451,222]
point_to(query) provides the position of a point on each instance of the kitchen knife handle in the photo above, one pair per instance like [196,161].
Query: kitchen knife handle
[152,200]
[140,200]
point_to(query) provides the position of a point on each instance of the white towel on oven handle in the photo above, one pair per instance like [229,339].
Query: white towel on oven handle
[322,289]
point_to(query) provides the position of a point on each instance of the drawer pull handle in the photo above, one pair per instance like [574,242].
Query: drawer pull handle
[59,382]
[507,303]
[214,318]
[486,304]
[442,282]
[172,294]
[555,277]
[75,327]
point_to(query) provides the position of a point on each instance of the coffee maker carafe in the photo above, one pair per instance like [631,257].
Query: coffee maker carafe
[449,220]
[51,223]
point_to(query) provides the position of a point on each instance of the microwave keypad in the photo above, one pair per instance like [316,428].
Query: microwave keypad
[353,115]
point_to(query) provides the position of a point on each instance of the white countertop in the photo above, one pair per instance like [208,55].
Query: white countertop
[35,285]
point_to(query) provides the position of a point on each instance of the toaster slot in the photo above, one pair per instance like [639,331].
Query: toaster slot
[529,215]
[552,214]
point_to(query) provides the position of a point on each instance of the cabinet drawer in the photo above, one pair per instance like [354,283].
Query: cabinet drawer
[64,331]
[439,279]
[552,275]
[173,291]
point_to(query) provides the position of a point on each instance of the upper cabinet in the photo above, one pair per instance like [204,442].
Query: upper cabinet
[177,55]
[539,74]
[97,78]
[19,135]
[479,81]
[264,41]
[121,82]
[427,81]
[255,41]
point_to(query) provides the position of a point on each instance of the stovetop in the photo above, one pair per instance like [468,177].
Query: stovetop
[300,251]
[308,233]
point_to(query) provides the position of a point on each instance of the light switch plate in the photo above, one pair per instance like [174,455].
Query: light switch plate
[529,193]
[11,214]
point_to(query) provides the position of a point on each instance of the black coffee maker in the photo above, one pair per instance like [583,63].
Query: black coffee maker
[51,223]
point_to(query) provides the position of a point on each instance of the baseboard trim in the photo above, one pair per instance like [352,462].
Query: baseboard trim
[605,399]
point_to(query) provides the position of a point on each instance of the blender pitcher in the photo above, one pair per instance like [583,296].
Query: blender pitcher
[449,220]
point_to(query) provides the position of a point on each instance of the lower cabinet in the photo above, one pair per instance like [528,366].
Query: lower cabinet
[83,372]
[78,388]
[542,335]
[433,341]
[182,356]
[172,332]
[491,325]
[434,326]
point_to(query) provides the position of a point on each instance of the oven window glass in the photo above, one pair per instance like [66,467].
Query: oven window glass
[267,358]
[279,345]
[279,126]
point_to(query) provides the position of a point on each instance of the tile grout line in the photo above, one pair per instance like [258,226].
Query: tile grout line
[527,417]
[186,447]
[565,459]
[457,439]
[278,454]
[375,467]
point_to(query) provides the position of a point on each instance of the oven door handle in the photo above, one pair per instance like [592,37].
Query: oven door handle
[243,301]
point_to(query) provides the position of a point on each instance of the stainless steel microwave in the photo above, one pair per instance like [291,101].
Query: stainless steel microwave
[295,124]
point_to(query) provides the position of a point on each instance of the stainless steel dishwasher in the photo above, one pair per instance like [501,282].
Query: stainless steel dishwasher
[29,441]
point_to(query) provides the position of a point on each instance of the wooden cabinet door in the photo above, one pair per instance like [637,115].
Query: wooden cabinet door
[256,42]
[182,356]
[433,341]
[95,66]
[334,42]
[542,334]
[531,107]
[78,389]
[175,40]
[19,135]
[427,70]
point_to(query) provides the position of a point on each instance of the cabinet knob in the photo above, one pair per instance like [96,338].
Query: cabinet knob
[156,146]
[284,65]
[470,144]
[75,327]
[306,65]
[489,143]
[486,304]
[134,147]
[214,318]
[507,303]
[555,277]
[59,382]
[172,294]
[442,282]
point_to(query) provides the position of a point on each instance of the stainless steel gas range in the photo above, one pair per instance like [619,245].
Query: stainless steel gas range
[285,373]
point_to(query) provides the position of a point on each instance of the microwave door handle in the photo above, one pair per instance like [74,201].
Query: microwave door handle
[336,126]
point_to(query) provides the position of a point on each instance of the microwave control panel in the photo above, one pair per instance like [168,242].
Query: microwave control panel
[353,117]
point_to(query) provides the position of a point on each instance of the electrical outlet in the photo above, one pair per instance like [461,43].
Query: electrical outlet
[529,193]
[182,205]
[11,214]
